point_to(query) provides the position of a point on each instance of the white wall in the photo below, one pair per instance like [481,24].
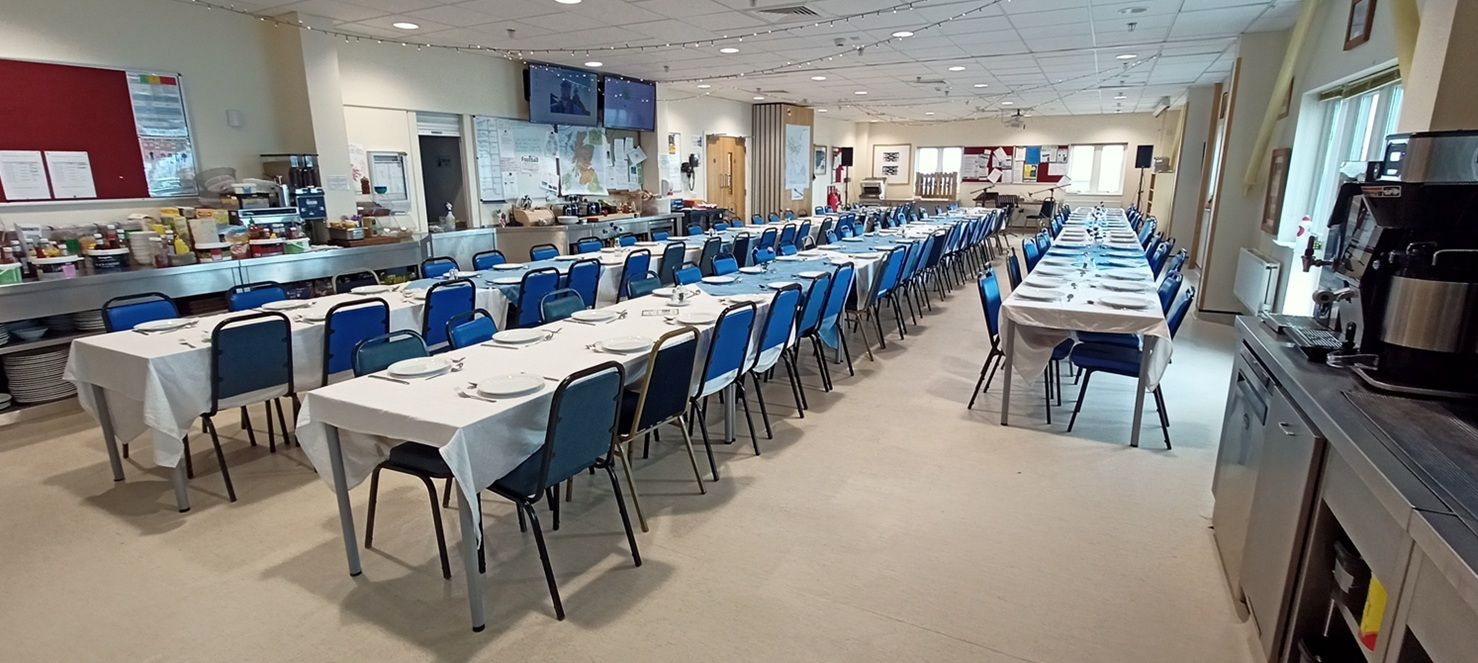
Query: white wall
[832,134]
[696,116]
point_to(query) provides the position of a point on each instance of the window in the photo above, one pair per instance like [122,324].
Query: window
[1096,169]
[938,159]
[1353,130]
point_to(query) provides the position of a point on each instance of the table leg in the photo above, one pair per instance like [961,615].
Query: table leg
[177,478]
[1010,346]
[470,522]
[1144,378]
[105,419]
[341,491]
[731,397]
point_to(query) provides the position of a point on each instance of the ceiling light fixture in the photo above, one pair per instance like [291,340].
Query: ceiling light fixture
[704,86]
[957,68]
[1125,56]
[1008,103]
[728,50]
[982,85]
[1120,96]
[406,25]
[595,63]
[759,98]
[820,110]
[929,113]
[902,34]
[818,78]
[568,2]
[1130,11]
[860,92]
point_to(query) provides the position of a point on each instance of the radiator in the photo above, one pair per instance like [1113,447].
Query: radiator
[1257,280]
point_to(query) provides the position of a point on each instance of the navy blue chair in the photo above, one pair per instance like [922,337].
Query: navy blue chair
[787,236]
[535,284]
[1176,262]
[129,311]
[465,330]
[411,458]
[803,234]
[638,264]
[1118,360]
[990,302]
[687,276]
[443,301]
[543,252]
[587,245]
[808,323]
[711,250]
[660,235]
[720,227]
[825,227]
[739,251]
[728,351]
[584,278]
[582,435]
[642,287]
[488,259]
[789,215]
[348,281]
[788,250]
[249,355]
[626,239]
[774,218]
[436,267]
[768,239]
[1031,252]
[774,349]
[672,260]
[346,326]
[662,398]
[885,289]
[735,222]
[1157,258]
[763,255]
[830,330]
[560,304]
[695,230]
[757,220]
[1013,270]
[725,265]
[254,295]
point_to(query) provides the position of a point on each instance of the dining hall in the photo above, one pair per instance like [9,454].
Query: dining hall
[1029,331]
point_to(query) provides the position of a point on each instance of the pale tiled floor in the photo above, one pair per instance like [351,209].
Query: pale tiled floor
[889,524]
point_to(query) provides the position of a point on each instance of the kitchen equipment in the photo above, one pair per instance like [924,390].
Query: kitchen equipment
[299,176]
[1237,461]
[873,189]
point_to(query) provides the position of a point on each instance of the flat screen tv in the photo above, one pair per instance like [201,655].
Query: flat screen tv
[627,103]
[560,95]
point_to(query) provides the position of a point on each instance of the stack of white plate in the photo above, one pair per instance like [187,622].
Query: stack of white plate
[88,321]
[36,377]
[4,335]
[60,324]
[4,400]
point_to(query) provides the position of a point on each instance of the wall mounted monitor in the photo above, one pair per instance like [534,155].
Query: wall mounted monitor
[561,95]
[627,103]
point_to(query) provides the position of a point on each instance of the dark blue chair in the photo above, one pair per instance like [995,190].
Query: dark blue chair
[739,251]
[488,259]
[662,398]
[711,250]
[443,301]
[736,222]
[1176,262]
[587,245]
[789,215]
[757,220]
[763,255]
[643,287]
[695,230]
[249,355]
[436,267]
[788,250]
[774,218]
[129,311]
[728,351]
[886,289]
[990,302]
[826,226]
[672,260]
[1013,270]
[1169,246]
[543,252]
[803,234]
[660,235]
[720,227]
[626,239]
[1118,360]
[787,236]
[725,265]
[687,276]
[560,304]
[830,330]
[535,284]
[254,295]
[465,330]
[768,238]
[411,458]
[1157,258]
[584,278]
[346,326]
[348,281]
[808,323]
[638,265]
[582,435]
[1032,252]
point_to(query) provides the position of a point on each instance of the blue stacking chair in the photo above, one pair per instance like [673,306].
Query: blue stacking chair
[1177,262]
[789,215]
[842,284]
[661,399]
[465,330]
[436,267]
[736,222]
[725,265]
[560,304]
[348,281]
[1044,242]
[254,295]
[808,323]
[695,230]
[535,284]
[728,350]
[638,264]
[687,276]
[990,302]
[740,250]
[1013,270]
[757,220]
[584,278]
[443,301]
[543,252]
[720,227]
[1146,232]
[582,435]
[846,230]
[488,259]
[129,311]
[711,250]
[885,288]
[1157,260]
[1032,252]
[787,235]
[626,239]
[587,245]
[672,260]
[825,227]
[643,286]
[249,354]
[346,326]
[1117,360]
[660,235]
[774,218]
[788,250]
[768,238]
[763,255]
[411,458]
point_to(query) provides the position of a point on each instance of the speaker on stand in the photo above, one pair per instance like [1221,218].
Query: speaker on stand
[1144,157]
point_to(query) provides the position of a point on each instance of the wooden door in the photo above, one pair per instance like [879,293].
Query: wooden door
[726,173]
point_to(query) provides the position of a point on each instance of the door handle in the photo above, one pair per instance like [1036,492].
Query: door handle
[1287,429]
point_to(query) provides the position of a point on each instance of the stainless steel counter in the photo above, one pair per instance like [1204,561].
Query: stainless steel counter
[515,241]
[461,245]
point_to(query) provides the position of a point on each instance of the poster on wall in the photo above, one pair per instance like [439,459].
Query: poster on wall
[669,164]
[1272,206]
[164,133]
[893,163]
[797,157]
[582,161]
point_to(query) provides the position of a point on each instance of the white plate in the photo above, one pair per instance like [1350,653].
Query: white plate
[650,243]
[868,255]
[789,258]
[507,280]
[609,249]
[512,384]
[563,258]
[1125,286]
[518,336]
[416,293]
[1122,275]
[677,303]
[810,253]
[414,368]
[1047,281]
[851,239]
[370,289]
[284,305]
[752,270]
[1124,301]
[1122,264]
[613,262]
[1049,270]
[718,280]
[697,317]
[625,344]
[751,298]
[315,315]
[780,284]
[508,265]
[1038,295]
[594,315]
[810,274]
[829,247]
[1057,262]
[162,325]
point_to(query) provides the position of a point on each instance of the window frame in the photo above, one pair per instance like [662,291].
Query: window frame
[1094,186]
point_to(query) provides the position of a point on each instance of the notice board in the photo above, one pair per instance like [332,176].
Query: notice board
[1015,164]
[96,133]
[514,159]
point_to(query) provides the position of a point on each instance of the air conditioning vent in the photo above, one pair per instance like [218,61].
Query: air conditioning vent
[792,10]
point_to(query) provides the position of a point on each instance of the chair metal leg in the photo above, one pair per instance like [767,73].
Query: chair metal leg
[764,413]
[251,433]
[846,351]
[1047,387]
[707,446]
[533,515]
[622,451]
[446,496]
[374,499]
[1077,407]
[282,423]
[446,567]
[215,441]
[692,457]
[552,494]
[625,519]
[189,465]
[125,450]
[743,396]
[271,432]
[1164,416]
[987,373]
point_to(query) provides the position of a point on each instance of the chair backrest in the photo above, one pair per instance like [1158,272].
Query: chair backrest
[788,250]
[350,280]
[377,354]
[829,236]
[787,235]
[663,394]
[768,237]
[1168,289]
[126,312]
[687,276]
[825,227]
[789,215]
[1177,262]
[1013,270]
[543,252]
[1032,253]
[626,239]
[582,430]
[990,302]
[488,259]
[535,284]
[740,250]
[837,294]
[643,287]
[728,348]
[465,330]
[695,229]
[803,233]
[762,255]
[1044,242]
[815,305]
[436,267]
[248,354]
[774,218]
[720,227]
[672,260]
[711,249]
[725,265]
[346,326]
[584,278]
[1157,261]
[1178,314]
[560,304]
[891,273]
[736,222]
[443,301]
[638,264]
[587,245]
[660,235]
[253,295]
[757,220]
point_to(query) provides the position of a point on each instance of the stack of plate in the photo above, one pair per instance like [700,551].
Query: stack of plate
[60,324]
[4,335]
[88,321]
[36,377]
[4,400]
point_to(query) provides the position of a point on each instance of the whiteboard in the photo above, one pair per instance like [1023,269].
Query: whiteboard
[514,159]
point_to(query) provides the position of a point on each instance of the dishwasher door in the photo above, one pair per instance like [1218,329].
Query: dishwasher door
[1292,453]
[1237,463]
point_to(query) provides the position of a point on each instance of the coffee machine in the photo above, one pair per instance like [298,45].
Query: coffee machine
[1411,249]
[302,188]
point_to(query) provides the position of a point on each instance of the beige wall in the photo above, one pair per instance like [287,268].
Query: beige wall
[695,116]
[832,134]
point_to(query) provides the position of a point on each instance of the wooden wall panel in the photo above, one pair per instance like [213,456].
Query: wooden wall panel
[767,156]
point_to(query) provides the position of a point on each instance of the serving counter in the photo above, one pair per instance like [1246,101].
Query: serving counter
[515,241]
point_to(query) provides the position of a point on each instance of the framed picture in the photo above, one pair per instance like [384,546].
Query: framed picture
[1357,28]
[818,160]
[893,163]
[1272,206]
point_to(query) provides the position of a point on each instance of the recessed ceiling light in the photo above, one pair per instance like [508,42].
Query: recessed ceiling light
[704,86]
[820,110]
[1008,103]
[929,113]
[1120,96]
[406,25]
[759,98]
[1126,56]
[860,92]
[957,68]
[1129,11]
[982,85]
[728,50]
[568,2]
[902,33]
[595,63]
[818,78]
